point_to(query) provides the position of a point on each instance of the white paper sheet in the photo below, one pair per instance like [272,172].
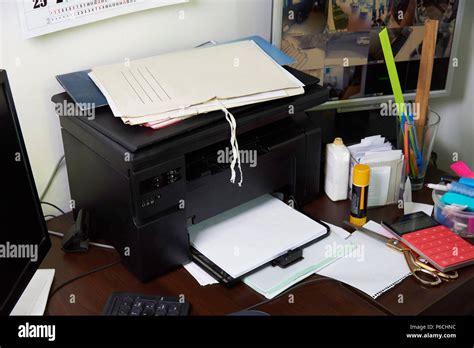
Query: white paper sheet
[34,299]
[252,234]
[413,207]
[379,186]
[201,276]
[380,269]
[209,106]
[407,195]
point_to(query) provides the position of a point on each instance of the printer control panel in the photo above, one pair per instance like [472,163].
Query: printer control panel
[160,191]
[159,181]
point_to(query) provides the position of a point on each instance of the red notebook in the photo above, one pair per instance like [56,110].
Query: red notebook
[436,243]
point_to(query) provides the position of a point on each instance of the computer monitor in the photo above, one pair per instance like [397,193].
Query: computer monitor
[337,41]
[24,239]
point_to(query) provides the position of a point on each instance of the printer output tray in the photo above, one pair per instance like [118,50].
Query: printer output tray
[291,257]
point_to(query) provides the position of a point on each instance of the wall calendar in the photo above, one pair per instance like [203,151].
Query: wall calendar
[39,17]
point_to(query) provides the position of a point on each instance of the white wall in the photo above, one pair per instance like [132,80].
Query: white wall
[456,131]
[33,64]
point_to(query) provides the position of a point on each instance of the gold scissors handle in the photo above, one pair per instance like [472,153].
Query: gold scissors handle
[446,276]
[421,274]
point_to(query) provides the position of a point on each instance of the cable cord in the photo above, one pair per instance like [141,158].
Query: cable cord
[95,270]
[51,178]
[54,206]
[317,280]
[293,288]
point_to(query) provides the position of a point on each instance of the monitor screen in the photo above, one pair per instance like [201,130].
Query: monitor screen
[338,42]
[23,235]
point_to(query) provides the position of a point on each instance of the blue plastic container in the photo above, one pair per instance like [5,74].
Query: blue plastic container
[459,221]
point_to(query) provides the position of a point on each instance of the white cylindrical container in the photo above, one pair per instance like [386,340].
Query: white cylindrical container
[337,170]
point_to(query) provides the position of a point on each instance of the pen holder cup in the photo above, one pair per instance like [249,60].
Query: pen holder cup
[459,221]
[416,143]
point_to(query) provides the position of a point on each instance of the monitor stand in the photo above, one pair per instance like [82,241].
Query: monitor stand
[35,297]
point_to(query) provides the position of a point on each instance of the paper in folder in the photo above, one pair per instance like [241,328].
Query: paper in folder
[246,237]
[186,83]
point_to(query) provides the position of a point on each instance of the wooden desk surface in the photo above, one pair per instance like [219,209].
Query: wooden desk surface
[88,295]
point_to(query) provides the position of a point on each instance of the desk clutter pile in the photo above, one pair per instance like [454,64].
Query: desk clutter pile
[386,170]
[243,241]
[159,91]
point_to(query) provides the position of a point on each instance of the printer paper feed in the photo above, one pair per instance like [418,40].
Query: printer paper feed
[252,234]
[272,281]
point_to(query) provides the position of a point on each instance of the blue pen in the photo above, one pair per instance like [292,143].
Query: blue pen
[419,157]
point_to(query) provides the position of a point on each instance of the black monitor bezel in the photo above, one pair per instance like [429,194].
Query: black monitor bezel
[45,244]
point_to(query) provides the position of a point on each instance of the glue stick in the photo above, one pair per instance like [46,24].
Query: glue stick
[360,193]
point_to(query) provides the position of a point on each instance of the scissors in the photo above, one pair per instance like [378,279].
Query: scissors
[423,273]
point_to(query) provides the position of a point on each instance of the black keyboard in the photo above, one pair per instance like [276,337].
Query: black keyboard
[125,304]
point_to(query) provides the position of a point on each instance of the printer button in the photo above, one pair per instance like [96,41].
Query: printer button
[157,182]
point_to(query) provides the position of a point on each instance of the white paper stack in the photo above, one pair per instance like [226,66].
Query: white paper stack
[246,237]
[386,169]
[179,85]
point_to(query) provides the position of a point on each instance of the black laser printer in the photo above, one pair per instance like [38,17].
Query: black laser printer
[141,188]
